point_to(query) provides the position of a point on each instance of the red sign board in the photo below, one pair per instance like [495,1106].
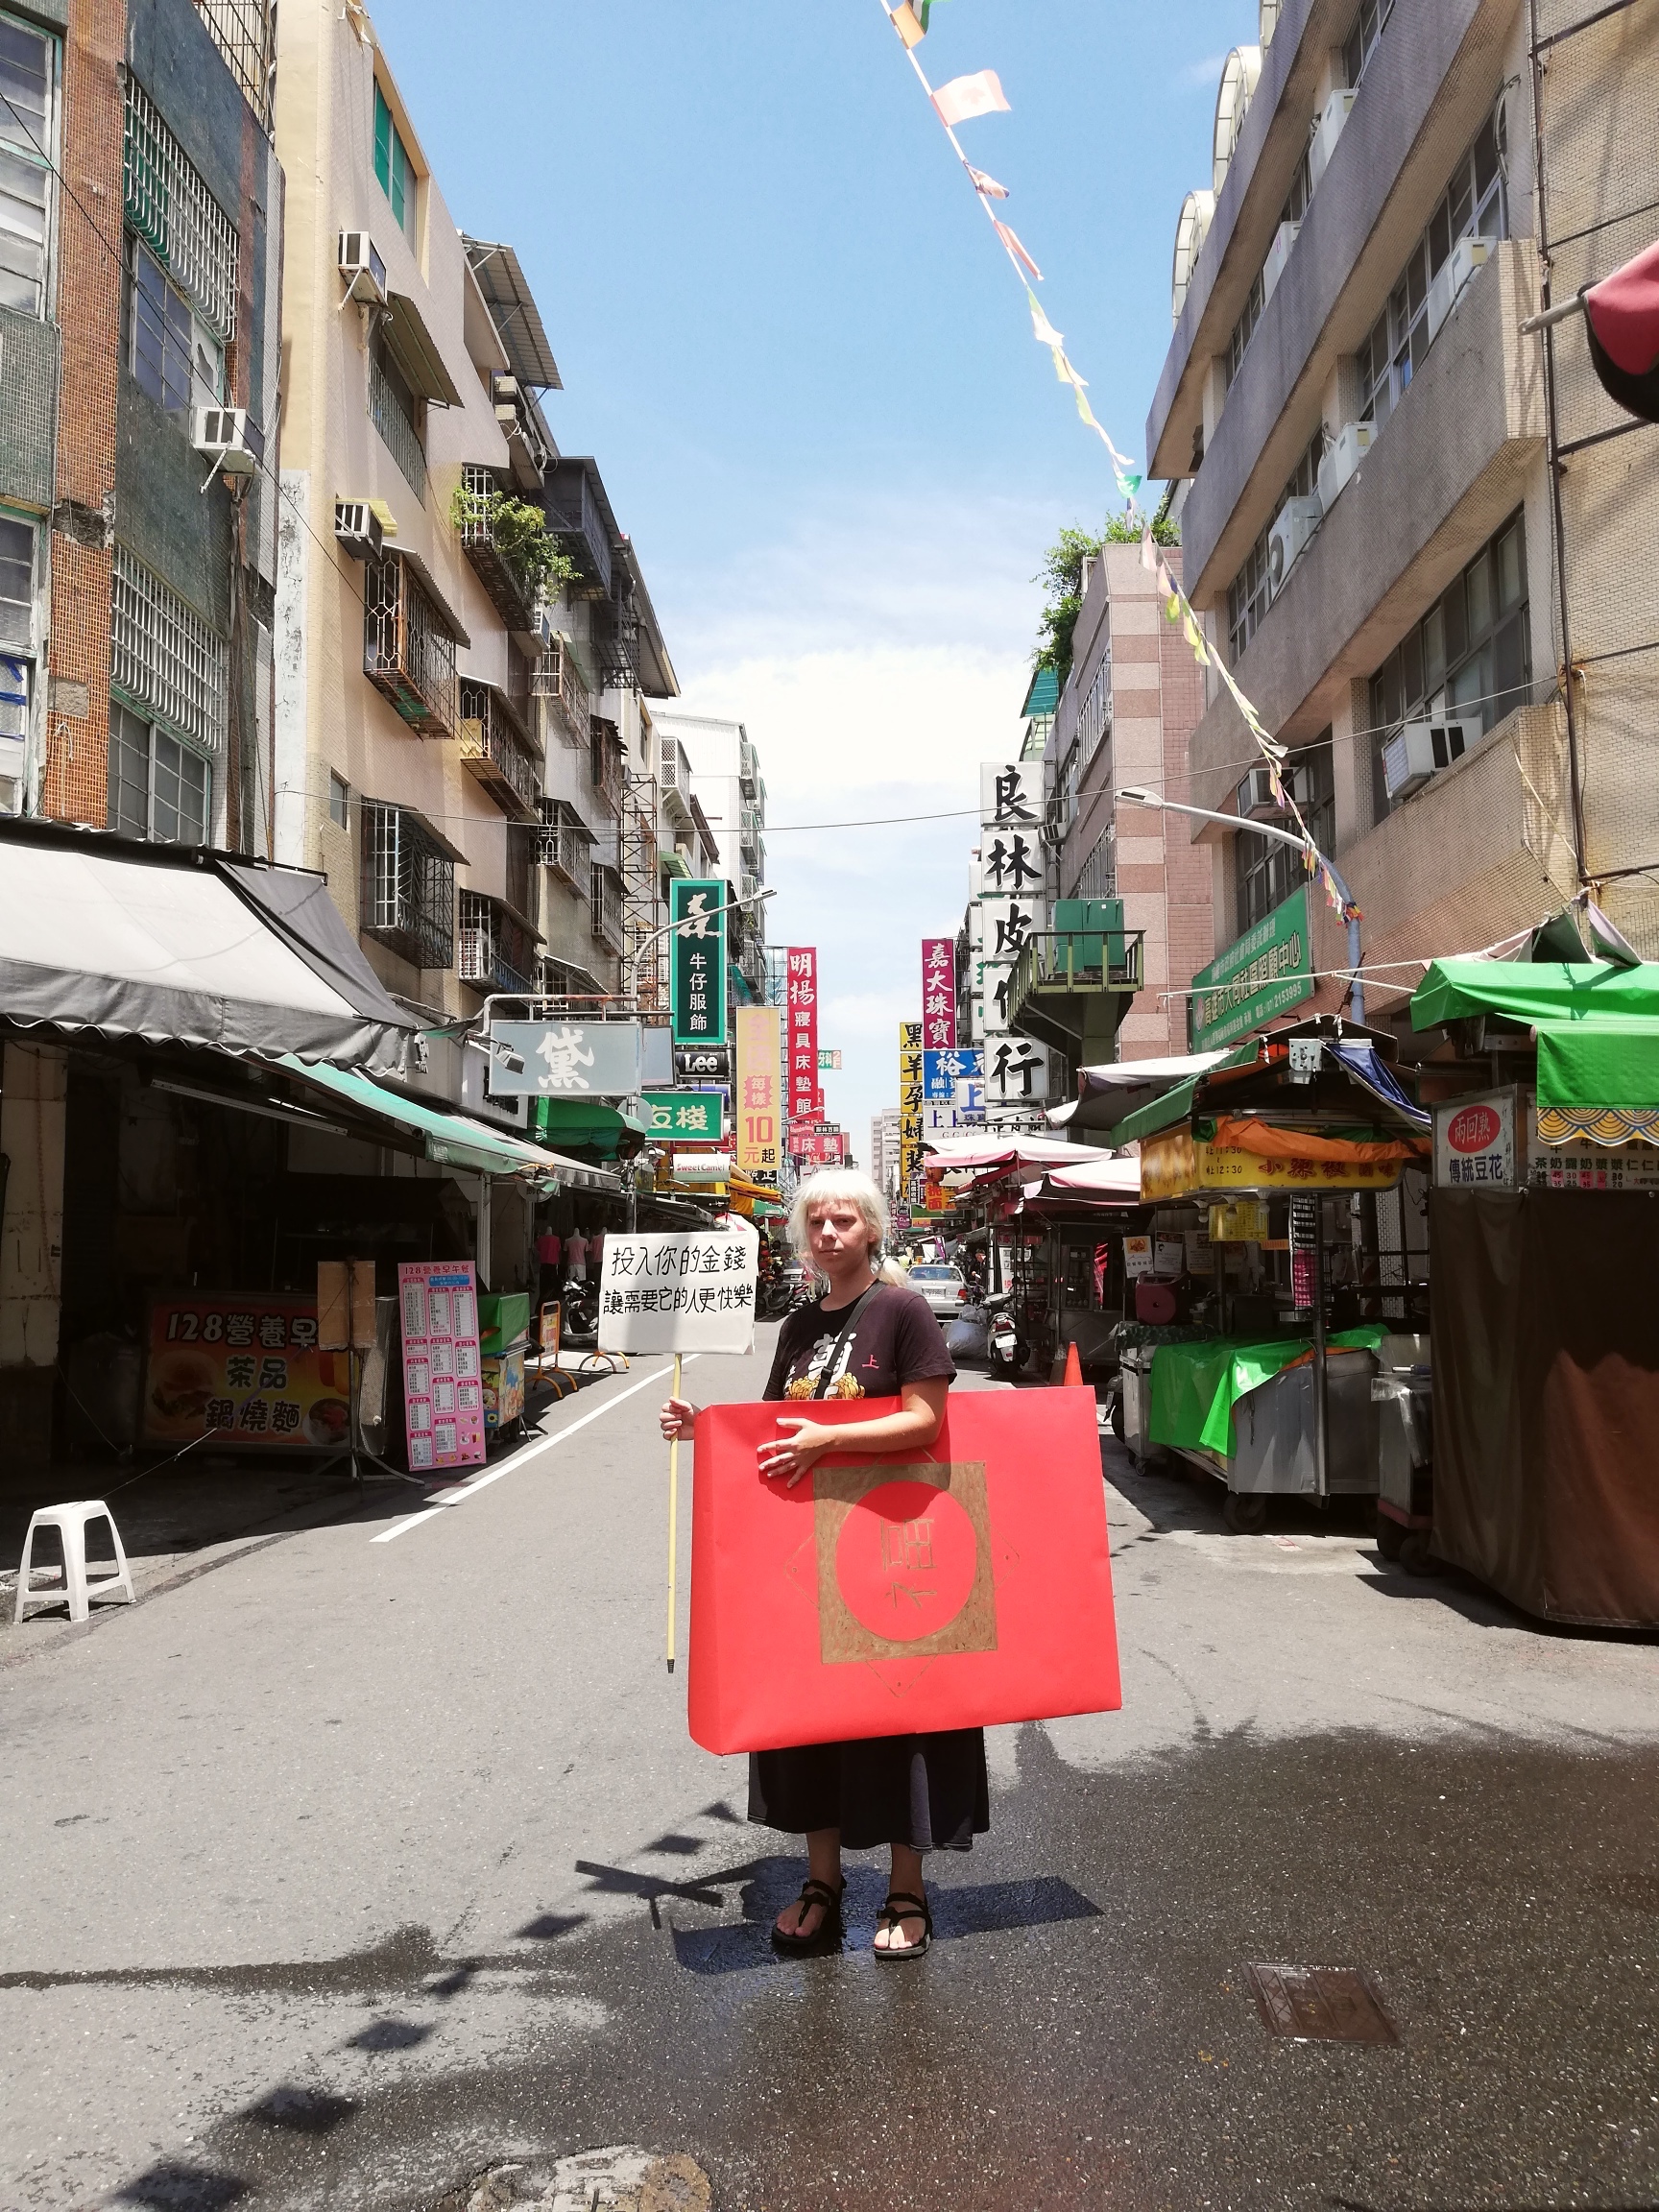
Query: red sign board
[1476,1129]
[247,1368]
[801,1032]
[954,1588]
[938,994]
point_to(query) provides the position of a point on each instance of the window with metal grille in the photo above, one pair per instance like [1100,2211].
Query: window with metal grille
[397,413]
[408,652]
[1097,877]
[1472,206]
[244,32]
[171,209]
[408,892]
[393,166]
[164,656]
[1468,658]
[27,137]
[159,787]
[495,949]
[174,355]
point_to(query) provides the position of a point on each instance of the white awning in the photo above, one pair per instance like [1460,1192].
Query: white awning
[176,946]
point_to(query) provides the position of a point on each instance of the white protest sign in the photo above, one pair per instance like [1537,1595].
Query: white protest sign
[692,1292]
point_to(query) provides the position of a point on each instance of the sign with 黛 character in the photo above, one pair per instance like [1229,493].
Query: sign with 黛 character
[565,1059]
[887,1594]
[692,1292]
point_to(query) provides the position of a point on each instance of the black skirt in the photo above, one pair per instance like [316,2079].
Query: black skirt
[928,1792]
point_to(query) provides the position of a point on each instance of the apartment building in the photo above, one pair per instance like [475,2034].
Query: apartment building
[1402,517]
[1125,717]
[725,780]
[884,1152]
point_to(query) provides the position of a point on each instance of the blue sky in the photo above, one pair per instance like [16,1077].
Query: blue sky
[809,375]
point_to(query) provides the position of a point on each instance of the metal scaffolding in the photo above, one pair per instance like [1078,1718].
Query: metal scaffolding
[641,891]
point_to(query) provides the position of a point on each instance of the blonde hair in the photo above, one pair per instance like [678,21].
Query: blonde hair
[842,1187]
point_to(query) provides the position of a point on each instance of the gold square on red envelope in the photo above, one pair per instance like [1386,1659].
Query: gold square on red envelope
[900,1593]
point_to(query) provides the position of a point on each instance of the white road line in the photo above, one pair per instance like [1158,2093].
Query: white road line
[442,1500]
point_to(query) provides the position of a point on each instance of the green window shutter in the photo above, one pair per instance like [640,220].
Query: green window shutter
[383,137]
[144,175]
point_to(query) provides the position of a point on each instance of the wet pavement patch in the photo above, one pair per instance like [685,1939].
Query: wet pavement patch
[1321,2003]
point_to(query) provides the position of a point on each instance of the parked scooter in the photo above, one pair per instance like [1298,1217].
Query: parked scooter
[1006,1345]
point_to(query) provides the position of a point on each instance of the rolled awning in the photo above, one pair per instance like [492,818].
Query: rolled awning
[1596,1025]
[455,1140]
[178,946]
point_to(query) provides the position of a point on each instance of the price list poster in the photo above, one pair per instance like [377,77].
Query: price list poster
[443,1374]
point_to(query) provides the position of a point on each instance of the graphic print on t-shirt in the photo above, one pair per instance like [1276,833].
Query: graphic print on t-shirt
[842,1385]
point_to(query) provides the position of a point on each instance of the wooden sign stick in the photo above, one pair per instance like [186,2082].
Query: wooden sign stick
[673,1518]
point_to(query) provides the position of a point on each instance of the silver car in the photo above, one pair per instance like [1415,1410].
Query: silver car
[945,1288]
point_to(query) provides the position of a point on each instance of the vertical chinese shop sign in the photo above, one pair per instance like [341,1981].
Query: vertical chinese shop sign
[443,1375]
[697,970]
[938,994]
[909,1104]
[759,1115]
[801,1045]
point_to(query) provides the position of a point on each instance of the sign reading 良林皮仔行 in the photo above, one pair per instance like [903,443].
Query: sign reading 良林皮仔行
[1263,973]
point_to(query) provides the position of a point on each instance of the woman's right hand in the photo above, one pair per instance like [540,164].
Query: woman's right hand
[678,1417]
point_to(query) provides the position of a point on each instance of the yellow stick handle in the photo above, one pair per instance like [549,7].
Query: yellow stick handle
[673,1518]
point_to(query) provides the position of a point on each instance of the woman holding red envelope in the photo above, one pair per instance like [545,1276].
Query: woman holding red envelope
[869,1336]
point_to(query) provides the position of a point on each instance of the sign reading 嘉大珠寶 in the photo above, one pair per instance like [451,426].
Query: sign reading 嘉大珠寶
[1264,972]
[697,967]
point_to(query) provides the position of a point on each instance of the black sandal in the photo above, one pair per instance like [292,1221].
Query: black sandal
[829,1930]
[901,1905]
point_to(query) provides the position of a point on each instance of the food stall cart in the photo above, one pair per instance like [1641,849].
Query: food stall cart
[1544,1236]
[1261,1374]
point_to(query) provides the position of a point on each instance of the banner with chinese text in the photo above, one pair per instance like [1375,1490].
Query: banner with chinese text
[758,1117]
[679,1293]
[909,1103]
[697,970]
[443,1373]
[938,994]
[801,1041]
[247,1367]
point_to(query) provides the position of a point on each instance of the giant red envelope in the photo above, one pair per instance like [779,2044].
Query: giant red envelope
[908,1591]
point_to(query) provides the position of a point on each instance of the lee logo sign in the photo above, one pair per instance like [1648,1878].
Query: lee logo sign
[1474,1142]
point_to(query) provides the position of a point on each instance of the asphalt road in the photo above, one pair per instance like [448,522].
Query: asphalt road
[355,1866]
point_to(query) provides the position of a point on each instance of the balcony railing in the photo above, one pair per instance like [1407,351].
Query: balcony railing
[605,922]
[497,951]
[398,435]
[564,846]
[576,519]
[606,768]
[496,754]
[559,681]
[407,895]
[508,595]
[408,653]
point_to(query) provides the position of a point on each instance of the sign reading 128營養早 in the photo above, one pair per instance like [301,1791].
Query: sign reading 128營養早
[679,1293]
[697,963]
[1264,972]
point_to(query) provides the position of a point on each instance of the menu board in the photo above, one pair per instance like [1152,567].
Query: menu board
[248,1367]
[443,1373]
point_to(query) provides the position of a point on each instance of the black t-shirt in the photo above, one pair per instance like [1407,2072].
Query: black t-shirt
[897,1340]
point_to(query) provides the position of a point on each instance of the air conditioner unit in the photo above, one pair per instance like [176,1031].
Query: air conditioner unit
[363,271]
[1292,526]
[358,528]
[1341,457]
[223,433]
[1325,133]
[1277,254]
[1255,800]
[1421,749]
[1449,278]
[504,397]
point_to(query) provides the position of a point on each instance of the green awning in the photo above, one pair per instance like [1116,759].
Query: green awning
[1597,1025]
[1043,695]
[586,1122]
[452,1139]
[1177,1105]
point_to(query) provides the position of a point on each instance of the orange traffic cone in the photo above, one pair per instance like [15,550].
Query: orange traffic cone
[1074,1365]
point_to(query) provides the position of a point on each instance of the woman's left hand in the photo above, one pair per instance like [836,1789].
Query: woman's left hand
[796,1456]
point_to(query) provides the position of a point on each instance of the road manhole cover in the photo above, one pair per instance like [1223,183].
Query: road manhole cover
[1321,2003]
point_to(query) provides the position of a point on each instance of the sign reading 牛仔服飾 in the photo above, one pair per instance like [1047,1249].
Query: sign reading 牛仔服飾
[565,1059]
[688,1116]
[757,1116]
[697,968]
[1474,1142]
[679,1293]
[938,994]
[1264,972]
[443,1373]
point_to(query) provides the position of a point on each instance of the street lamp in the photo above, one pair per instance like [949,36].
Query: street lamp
[1134,797]
[669,928]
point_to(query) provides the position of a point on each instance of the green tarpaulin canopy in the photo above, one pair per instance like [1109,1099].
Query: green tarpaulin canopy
[1597,1025]
[1195,1386]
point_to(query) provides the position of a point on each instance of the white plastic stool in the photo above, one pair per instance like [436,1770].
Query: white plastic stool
[70,1523]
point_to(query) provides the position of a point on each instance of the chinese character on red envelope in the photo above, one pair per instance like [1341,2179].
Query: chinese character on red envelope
[913,1591]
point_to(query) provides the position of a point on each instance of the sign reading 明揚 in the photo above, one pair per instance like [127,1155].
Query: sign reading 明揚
[697,968]
[1263,973]
[688,1116]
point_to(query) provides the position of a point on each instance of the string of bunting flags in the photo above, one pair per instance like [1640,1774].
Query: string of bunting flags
[961,101]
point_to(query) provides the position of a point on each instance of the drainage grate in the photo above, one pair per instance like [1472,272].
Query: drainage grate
[1321,2003]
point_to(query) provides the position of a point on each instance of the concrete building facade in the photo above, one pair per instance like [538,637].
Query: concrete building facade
[726,782]
[1401,514]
